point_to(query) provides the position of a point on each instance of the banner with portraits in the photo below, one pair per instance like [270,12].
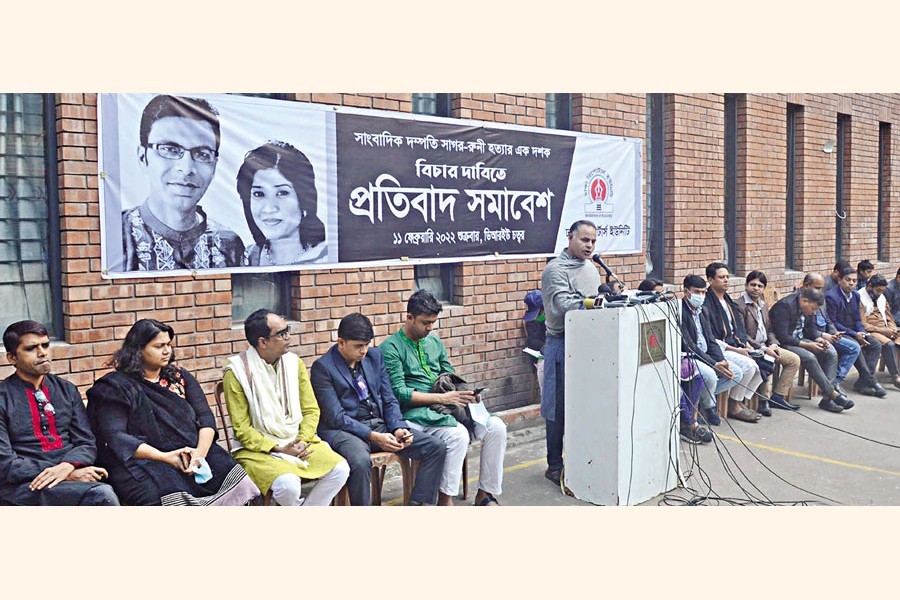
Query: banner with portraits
[228,183]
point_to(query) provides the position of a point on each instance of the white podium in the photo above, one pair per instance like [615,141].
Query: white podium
[621,435]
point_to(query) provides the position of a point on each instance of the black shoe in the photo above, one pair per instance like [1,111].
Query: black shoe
[712,417]
[690,436]
[879,391]
[777,401]
[829,405]
[840,389]
[553,475]
[870,390]
[763,408]
[844,402]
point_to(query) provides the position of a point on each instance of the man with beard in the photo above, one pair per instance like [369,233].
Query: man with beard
[46,444]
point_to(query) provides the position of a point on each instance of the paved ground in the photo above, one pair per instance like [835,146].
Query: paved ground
[801,457]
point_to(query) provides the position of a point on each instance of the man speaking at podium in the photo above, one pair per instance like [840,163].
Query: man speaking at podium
[569,282]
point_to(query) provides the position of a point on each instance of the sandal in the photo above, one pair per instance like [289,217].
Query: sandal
[745,414]
[487,500]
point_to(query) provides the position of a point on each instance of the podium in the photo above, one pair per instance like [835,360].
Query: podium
[622,389]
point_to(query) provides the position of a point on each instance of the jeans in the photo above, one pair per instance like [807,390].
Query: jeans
[848,350]
[714,384]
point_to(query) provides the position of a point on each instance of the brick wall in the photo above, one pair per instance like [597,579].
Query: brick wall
[482,328]
[695,183]
[762,180]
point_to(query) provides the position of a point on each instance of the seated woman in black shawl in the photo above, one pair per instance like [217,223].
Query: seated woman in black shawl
[155,431]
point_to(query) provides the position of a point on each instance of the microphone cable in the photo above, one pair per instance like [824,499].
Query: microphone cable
[697,358]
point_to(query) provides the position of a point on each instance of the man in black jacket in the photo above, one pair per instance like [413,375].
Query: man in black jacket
[698,342]
[793,322]
[848,349]
[731,337]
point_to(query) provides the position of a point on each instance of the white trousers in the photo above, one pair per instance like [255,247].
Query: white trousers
[287,492]
[493,449]
[750,379]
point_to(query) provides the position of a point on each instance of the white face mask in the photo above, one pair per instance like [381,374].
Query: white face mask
[696,300]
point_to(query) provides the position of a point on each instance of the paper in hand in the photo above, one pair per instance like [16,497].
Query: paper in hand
[479,413]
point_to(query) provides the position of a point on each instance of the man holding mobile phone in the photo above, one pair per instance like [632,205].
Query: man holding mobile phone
[848,349]
[414,358]
[361,415]
[843,309]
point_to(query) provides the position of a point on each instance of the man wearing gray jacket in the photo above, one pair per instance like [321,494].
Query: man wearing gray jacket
[569,282]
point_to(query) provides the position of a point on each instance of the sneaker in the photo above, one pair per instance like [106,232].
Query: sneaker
[829,405]
[690,435]
[704,434]
[711,416]
[844,402]
[553,474]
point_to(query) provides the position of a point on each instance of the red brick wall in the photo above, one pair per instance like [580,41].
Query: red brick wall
[482,328]
[695,184]
[761,191]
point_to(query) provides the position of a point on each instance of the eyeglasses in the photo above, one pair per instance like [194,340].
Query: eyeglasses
[283,334]
[201,154]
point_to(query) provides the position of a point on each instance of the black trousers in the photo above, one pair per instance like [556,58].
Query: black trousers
[429,450]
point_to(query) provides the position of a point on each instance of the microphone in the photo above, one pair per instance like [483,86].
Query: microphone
[609,274]
[596,258]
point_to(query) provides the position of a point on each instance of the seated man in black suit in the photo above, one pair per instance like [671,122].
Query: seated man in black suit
[361,415]
[794,324]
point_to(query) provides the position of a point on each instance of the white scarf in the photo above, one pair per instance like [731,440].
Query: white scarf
[273,395]
[866,300]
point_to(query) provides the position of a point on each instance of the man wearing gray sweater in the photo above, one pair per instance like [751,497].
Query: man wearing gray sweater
[569,282]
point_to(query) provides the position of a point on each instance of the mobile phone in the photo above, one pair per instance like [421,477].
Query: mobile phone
[477,391]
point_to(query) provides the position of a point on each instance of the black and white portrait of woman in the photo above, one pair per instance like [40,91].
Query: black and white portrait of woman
[276,184]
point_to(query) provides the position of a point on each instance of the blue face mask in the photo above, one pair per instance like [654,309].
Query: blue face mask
[696,301]
[202,472]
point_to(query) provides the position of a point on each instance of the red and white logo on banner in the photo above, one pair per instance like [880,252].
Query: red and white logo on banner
[598,192]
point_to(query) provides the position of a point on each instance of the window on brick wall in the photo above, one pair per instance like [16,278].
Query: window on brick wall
[884,187]
[794,113]
[559,111]
[656,173]
[250,291]
[431,104]
[30,283]
[437,279]
[843,164]
[729,245]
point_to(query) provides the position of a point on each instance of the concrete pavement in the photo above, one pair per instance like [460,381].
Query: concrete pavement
[810,457]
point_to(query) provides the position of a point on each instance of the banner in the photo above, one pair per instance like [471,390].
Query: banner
[227,183]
